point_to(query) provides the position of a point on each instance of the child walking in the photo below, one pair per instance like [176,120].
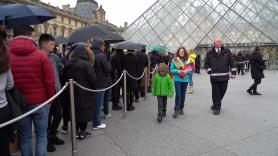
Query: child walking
[162,87]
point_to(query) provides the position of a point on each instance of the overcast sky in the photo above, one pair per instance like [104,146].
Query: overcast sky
[117,11]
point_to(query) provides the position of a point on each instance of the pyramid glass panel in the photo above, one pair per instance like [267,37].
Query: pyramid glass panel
[195,23]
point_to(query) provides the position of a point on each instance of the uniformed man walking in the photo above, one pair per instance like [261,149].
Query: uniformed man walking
[221,66]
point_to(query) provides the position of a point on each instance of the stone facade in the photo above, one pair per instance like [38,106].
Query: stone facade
[64,23]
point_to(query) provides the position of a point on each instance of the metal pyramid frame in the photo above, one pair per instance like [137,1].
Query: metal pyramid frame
[192,23]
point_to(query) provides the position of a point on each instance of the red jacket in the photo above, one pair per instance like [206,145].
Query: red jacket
[32,70]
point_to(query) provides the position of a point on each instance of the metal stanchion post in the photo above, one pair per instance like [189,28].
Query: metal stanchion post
[146,82]
[125,92]
[73,124]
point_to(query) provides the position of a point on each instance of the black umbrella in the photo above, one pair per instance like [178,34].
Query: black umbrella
[111,36]
[98,31]
[60,40]
[129,46]
[86,33]
[12,15]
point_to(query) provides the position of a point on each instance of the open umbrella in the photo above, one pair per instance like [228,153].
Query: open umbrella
[86,33]
[60,40]
[111,36]
[12,15]
[129,46]
[157,48]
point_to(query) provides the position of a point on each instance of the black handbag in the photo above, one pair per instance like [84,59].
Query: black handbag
[17,105]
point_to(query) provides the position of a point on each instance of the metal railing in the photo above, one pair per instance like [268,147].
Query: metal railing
[71,85]
[271,64]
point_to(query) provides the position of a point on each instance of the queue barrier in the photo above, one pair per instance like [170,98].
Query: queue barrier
[71,83]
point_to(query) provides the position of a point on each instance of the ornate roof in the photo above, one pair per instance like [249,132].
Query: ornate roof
[93,1]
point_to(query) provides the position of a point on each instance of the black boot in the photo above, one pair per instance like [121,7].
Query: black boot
[159,117]
[56,141]
[130,108]
[256,93]
[117,107]
[181,111]
[249,91]
[164,113]
[216,111]
[176,113]
[50,146]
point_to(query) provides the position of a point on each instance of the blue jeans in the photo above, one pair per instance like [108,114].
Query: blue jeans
[40,120]
[99,104]
[180,88]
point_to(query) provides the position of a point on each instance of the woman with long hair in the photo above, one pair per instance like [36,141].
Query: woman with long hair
[6,83]
[181,79]
[80,68]
[257,70]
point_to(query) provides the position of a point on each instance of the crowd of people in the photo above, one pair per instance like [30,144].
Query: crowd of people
[38,71]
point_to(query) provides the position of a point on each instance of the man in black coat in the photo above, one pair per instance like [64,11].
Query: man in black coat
[219,63]
[103,72]
[240,63]
[257,68]
[117,70]
[142,64]
[130,64]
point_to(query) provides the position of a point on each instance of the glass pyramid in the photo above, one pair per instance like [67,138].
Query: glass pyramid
[195,23]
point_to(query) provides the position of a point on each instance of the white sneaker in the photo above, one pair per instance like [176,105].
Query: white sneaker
[107,116]
[101,126]
[189,90]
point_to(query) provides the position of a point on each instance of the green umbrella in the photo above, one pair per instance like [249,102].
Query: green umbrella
[157,48]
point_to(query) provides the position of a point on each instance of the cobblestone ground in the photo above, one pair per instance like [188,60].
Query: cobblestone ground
[246,126]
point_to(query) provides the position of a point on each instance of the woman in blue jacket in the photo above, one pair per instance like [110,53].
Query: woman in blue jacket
[181,79]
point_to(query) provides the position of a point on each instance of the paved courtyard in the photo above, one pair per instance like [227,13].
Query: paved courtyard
[246,126]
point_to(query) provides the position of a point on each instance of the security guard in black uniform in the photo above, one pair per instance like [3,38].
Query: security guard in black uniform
[220,64]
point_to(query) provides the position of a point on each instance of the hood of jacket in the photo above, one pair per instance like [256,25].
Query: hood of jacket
[22,45]
[163,69]
[80,52]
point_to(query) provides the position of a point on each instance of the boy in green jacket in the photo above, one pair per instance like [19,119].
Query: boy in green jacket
[162,87]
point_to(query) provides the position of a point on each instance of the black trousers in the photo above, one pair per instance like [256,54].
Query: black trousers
[240,68]
[162,104]
[130,97]
[219,89]
[136,91]
[55,116]
[255,84]
[197,69]
[81,126]
[116,94]
[4,132]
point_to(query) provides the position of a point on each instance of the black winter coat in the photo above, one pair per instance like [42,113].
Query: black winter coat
[130,63]
[257,65]
[142,61]
[240,59]
[155,59]
[103,69]
[116,64]
[218,65]
[80,70]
